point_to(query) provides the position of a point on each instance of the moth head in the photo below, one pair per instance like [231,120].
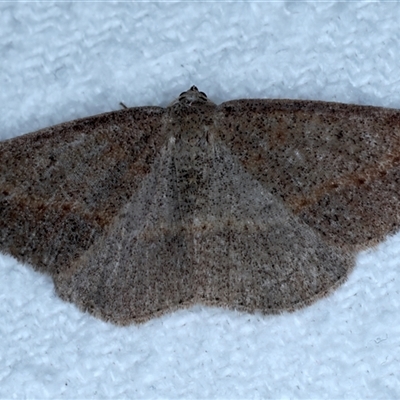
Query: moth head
[191,96]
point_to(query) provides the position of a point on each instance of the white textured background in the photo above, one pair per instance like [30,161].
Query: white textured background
[61,61]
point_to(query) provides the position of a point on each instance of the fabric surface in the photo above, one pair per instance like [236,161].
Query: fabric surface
[62,61]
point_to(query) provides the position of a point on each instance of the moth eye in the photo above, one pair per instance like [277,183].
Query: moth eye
[194,88]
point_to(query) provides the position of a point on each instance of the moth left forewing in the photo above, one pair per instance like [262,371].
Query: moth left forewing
[61,186]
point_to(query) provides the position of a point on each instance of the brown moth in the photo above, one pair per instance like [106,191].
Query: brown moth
[254,205]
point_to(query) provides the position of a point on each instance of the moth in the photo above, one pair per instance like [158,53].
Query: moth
[255,205]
